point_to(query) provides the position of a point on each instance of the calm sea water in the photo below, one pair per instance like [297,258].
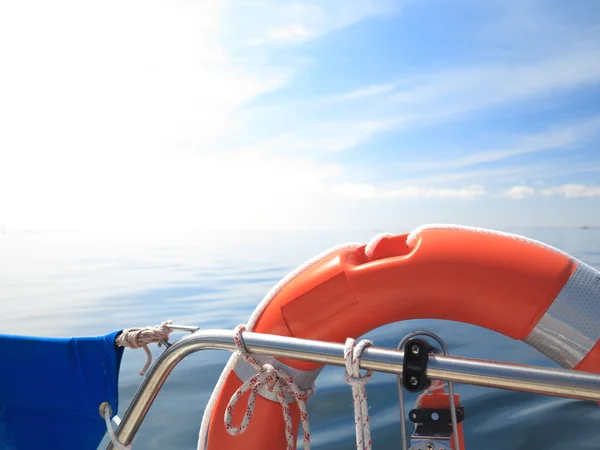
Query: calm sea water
[66,284]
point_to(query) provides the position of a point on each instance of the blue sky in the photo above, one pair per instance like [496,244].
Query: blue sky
[272,114]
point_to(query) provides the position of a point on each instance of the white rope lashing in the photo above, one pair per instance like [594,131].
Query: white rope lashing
[111,432]
[352,354]
[141,337]
[277,382]
[256,314]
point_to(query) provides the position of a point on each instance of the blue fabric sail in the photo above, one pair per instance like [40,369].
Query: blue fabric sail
[51,390]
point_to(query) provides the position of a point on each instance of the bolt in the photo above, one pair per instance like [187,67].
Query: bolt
[413,381]
[415,349]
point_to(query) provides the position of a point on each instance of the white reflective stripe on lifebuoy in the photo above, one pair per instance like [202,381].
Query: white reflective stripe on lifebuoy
[304,379]
[571,325]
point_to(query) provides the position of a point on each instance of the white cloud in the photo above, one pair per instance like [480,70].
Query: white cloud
[324,137]
[563,138]
[530,173]
[370,191]
[556,139]
[573,190]
[519,192]
[461,90]
[290,33]
[369,91]
[273,21]
[428,98]
[483,175]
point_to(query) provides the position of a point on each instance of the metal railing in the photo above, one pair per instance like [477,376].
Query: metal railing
[539,380]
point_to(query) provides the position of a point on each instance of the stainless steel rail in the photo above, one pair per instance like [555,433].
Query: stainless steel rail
[539,380]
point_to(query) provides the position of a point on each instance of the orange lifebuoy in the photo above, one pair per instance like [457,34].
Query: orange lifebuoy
[521,288]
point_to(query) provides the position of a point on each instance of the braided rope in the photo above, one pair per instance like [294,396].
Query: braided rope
[352,354]
[277,382]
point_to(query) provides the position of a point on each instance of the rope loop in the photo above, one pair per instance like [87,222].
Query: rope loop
[275,381]
[352,355]
[111,433]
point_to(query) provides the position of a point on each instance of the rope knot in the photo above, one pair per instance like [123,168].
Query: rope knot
[267,368]
[271,377]
[352,355]
[142,336]
[275,381]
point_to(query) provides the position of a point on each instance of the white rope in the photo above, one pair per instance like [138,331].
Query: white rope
[206,417]
[141,337]
[111,433]
[437,385]
[352,355]
[276,381]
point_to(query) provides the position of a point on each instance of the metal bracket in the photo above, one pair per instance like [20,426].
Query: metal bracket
[416,357]
[418,370]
